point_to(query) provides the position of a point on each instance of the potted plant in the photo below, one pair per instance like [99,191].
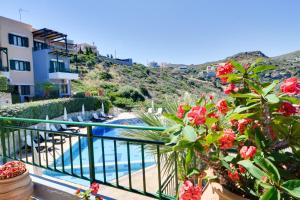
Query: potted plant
[246,145]
[90,194]
[15,182]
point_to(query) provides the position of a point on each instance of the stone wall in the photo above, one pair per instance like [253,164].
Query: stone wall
[5,99]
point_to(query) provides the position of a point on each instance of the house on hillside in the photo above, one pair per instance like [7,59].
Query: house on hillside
[30,57]
[51,61]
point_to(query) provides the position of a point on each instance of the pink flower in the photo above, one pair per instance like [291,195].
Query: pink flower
[227,139]
[290,86]
[190,192]
[224,70]
[287,109]
[222,106]
[248,152]
[197,115]
[231,87]
[94,188]
[242,124]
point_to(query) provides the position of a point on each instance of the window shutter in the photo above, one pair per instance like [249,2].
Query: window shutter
[12,64]
[10,38]
[27,66]
[51,66]
[26,42]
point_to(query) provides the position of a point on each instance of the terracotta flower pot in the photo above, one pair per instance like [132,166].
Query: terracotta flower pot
[215,191]
[17,188]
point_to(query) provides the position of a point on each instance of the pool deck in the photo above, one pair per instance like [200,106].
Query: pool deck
[111,192]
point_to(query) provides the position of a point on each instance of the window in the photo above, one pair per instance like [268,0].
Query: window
[64,89]
[19,65]
[39,45]
[18,40]
[25,89]
[57,66]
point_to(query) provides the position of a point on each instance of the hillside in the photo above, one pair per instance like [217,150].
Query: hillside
[158,83]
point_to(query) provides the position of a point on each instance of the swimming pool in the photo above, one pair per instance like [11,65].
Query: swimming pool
[109,156]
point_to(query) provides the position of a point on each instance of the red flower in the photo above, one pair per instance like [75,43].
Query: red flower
[233,122]
[223,70]
[248,152]
[233,173]
[242,169]
[287,109]
[197,115]
[94,188]
[214,127]
[290,86]
[181,111]
[242,124]
[231,87]
[222,106]
[77,191]
[227,139]
[213,115]
[190,192]
[211,97]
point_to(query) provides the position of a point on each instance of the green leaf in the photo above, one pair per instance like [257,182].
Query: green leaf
[240,109]
[210,121]
[232,77]
[254,86]
[262,68]
[189,134]
[268,167]
[173,118]
[272,98]
[212,138]
[270,87]
[228,158]
[271,194]
[189,157]
[252,169]
[293,100]
[292,187]
[246,95]
[238,66]
[238,116]
[193,172]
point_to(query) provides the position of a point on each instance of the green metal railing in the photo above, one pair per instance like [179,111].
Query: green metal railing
[51,149]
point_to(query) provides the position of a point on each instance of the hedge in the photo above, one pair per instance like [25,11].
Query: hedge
[3,84]
[53,108]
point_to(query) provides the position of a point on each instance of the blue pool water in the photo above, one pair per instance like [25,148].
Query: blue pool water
[109,156]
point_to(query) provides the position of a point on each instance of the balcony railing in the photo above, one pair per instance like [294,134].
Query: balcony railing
[64,70]
[14,135]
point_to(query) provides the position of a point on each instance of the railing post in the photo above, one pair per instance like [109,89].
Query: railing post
[91,153]
[4,159]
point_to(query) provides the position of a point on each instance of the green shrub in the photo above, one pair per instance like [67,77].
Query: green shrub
[79,95]
[3,84]
[145,91]
[105,76]
[53,108]
[124,103]
[130,92]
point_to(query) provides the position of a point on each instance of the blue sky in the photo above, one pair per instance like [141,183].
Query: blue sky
[176,31]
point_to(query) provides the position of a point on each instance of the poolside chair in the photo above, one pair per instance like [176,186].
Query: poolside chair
[79,118]
[47,136]
[97,118]
[64,128]
[34,144]
[159,112]
[106,115]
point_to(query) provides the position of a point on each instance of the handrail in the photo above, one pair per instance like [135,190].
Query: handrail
[59,149]
[149,128]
